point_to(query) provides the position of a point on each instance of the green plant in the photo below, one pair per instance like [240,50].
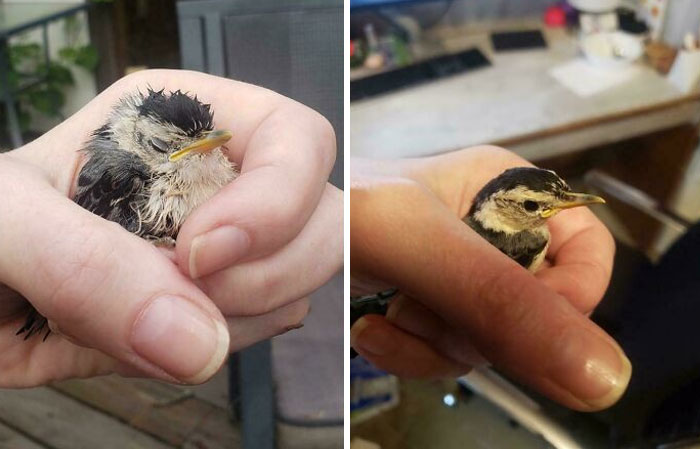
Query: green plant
[42,83]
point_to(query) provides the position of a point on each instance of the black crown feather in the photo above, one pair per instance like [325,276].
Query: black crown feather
[178,108]
[533,178]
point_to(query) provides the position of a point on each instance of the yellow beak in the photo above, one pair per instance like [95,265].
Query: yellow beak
[572,200]
[213,140]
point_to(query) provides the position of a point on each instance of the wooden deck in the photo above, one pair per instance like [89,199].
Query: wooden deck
[115,413]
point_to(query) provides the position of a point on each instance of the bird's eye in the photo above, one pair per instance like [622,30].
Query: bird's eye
[159,145]
[531,206]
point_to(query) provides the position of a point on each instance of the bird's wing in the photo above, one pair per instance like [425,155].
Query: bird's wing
[110,184]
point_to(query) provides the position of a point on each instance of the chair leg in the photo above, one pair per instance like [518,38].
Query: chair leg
[251,395]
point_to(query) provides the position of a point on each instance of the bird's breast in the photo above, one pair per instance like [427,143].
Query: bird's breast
[527,247]
[176,192]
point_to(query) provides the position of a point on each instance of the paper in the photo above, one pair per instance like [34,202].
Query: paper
[584,79]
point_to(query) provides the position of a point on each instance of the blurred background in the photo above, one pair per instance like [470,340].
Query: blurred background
[55,56]
[605,92]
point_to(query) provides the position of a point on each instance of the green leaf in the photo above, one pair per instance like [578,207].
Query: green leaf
[67,54]
[85,56]
[21,53]
[58,75]
[12,79]
[47,100]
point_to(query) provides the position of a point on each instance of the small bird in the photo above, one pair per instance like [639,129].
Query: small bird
[511,213]
[155,160]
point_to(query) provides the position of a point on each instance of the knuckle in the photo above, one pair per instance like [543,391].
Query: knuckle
[270,287]
[262,292]
[323,141]
[323,130]
[328,139]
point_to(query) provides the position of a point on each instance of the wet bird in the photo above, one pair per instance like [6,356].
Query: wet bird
[155,159]
[511,213]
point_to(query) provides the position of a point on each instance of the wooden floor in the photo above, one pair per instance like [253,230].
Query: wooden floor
[115,413]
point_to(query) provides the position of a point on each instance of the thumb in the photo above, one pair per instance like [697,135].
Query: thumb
[102,286]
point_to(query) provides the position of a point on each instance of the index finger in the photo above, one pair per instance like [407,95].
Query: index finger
[283,173]
[285,155]
[582,251]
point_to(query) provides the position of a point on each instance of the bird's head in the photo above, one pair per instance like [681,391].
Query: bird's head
[523,198]
[164,129]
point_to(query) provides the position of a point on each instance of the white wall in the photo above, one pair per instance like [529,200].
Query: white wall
[682,16]
[686,203]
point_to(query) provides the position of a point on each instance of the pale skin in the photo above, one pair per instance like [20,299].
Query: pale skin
[462,301]
[122,305]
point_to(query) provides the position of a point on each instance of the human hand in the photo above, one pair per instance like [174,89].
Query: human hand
[99,285]
[462,299]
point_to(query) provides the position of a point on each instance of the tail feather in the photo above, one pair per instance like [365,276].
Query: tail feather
[34,324]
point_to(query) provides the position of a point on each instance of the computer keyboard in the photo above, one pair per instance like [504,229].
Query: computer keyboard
[415,74]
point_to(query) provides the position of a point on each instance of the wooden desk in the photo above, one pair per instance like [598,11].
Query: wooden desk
[514,103]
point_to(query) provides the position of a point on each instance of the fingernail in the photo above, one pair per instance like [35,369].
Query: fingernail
[394,309]
[292,327]
[591,368]
[180,338]
[217,249]
[375,340]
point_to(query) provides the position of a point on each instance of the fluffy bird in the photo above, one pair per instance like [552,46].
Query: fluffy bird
[156,159]
[511,213]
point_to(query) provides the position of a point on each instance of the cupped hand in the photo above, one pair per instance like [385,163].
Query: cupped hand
[121,304]
[462,302]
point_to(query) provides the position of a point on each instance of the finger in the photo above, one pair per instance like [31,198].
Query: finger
[103,286]
[582,251]
[283,175]
[247,330]
[517,323]
[413,317]
[308,261]
[398,352]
